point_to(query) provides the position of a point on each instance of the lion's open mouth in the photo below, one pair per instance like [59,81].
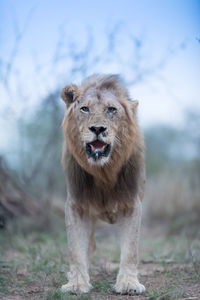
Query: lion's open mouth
[97,149]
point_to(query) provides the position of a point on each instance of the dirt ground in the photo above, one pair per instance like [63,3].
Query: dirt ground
[33,263]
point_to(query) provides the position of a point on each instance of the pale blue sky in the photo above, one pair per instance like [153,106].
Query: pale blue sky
[163,26]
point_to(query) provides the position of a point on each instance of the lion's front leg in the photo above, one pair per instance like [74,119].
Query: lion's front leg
[129,226]
[79,231]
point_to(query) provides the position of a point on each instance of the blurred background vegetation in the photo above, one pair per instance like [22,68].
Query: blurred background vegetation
[30,163]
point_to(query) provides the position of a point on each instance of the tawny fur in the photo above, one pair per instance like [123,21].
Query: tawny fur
[109,187]
[107,190]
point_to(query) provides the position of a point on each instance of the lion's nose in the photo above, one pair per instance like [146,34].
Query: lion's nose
[97,130]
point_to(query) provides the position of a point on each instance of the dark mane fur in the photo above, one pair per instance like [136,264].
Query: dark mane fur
[90,195]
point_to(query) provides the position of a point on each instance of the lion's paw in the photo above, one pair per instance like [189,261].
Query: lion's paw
[76,287]
[128,285]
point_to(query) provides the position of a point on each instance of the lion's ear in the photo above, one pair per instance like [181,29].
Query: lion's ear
[70,93]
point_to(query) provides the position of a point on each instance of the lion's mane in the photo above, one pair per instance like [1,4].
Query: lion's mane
[111,189]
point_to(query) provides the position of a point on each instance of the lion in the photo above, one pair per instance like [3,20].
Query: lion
[104,161]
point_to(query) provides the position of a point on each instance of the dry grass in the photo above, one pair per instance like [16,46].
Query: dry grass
[171,198]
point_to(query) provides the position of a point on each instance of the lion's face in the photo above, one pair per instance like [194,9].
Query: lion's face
[98,117]
[99,125]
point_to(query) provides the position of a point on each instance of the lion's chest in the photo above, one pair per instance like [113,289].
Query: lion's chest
[105,206]
[108,215]
[106,201]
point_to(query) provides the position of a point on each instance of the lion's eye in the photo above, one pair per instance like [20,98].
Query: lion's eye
[111,110]
[85,109]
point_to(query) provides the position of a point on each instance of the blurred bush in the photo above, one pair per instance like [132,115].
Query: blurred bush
[173,163]
[172,156]
[40,147]
[172,159]
[173,174]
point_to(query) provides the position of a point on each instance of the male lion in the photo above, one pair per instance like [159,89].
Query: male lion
[103,157]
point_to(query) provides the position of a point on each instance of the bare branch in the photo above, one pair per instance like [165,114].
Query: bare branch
[19,34]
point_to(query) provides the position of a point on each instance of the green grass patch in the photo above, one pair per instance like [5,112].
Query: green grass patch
[58,295]
[165,294]
[102,286]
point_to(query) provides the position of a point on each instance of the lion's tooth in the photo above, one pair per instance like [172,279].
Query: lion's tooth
[92,147]
[103,148]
